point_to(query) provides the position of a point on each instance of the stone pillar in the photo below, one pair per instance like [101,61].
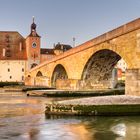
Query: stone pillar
[29,81]
[42,81]
[132,83]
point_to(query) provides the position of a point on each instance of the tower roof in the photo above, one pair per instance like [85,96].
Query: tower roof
[33,30]
[63,47]
[33,25]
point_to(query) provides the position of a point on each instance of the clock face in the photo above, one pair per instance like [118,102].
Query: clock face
[34,45]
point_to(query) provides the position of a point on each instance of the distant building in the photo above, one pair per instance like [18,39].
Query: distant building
[13,56]
[61,48]
[47,54]
[121,65]
[121,68]
[18,54]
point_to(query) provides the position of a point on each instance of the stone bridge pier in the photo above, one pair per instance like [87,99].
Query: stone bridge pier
[132,83]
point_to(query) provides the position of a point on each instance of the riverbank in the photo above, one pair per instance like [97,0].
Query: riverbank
[21,88]
[75,93]
[98,106]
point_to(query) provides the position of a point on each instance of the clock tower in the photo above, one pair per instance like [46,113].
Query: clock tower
[33,47]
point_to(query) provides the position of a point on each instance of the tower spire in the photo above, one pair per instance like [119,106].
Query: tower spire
[33,25]
[33,19]
[33,28]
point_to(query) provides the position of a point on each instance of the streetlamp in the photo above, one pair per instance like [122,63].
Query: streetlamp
[73,39]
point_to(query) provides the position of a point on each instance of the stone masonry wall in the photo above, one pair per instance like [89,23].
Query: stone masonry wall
[132,82]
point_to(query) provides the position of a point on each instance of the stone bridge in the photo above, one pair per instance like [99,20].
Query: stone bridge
[90,64]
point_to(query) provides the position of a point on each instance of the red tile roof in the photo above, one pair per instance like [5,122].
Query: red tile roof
[47,51]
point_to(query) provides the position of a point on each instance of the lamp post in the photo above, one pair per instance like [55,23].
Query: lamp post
[73,39]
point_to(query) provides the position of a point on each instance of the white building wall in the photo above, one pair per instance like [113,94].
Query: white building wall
[12,70]
[122,65]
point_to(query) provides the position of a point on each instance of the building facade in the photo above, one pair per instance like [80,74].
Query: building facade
[13,57]
[121,68]
[18,54]
[122,65]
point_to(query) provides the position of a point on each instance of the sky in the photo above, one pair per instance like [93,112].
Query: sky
[63,20]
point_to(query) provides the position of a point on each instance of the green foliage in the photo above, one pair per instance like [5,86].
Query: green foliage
[107,110]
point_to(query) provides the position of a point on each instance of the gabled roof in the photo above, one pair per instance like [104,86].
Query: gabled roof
[11,32]
[31,35]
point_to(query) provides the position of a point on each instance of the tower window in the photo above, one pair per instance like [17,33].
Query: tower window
[8,70]
[8,46]
[10,77]
[22,69]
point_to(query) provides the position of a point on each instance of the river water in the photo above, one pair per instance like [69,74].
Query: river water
[23,118]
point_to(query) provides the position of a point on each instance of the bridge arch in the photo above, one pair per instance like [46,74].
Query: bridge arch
[33,65]
[39,73]
[98,69]
[59,72]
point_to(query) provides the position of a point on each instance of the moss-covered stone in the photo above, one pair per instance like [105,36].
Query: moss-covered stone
[84,93]
[3,84]
[89,110]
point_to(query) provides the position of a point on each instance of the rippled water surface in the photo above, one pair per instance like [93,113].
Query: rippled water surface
[23,118]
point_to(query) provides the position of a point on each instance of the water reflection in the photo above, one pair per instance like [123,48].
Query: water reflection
[104,128]
[119,129]
[23,118]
